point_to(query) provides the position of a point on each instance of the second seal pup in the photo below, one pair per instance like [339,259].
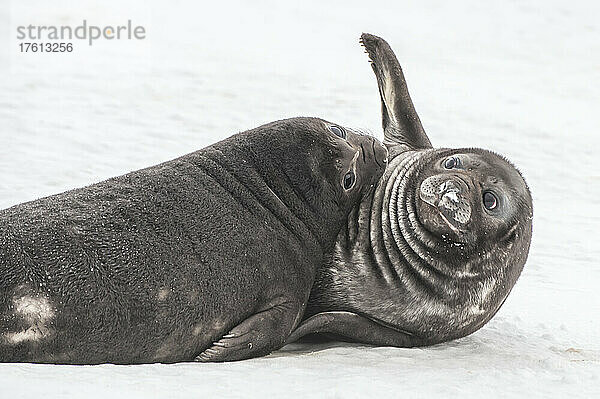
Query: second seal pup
[434,251]
[211,255]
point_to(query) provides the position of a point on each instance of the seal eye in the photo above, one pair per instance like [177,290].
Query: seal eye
[349,180]
[489,200]
[338,131]
[451,163]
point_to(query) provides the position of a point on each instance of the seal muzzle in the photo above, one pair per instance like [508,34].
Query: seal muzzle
[448,195]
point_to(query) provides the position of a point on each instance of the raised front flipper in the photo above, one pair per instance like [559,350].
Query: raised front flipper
[258,335]
[401,123]
[357,328]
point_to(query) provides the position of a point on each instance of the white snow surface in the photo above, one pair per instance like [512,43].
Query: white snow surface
[517,77]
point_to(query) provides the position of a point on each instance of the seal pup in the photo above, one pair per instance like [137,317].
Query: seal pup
[209,256]
[434,251]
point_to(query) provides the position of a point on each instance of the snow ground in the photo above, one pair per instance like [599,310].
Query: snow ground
[520,78]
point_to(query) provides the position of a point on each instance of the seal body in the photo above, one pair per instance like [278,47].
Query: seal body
[209,256]
[434,251]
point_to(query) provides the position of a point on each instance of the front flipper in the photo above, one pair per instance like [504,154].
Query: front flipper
[258,335]
[401,123]
[357,328]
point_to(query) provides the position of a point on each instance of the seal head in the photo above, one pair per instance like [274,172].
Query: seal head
[470,195]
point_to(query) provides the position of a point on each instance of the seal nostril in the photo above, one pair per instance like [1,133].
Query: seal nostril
[462,179]
[449,185]
[363,153]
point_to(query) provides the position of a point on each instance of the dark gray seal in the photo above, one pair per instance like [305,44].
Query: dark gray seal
[211,255]
[433,253]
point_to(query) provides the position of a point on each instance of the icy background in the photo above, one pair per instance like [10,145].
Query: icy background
[520,78]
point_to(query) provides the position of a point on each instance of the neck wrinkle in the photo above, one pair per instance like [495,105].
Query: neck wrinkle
[423,246]
[378,244]
[405,257]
